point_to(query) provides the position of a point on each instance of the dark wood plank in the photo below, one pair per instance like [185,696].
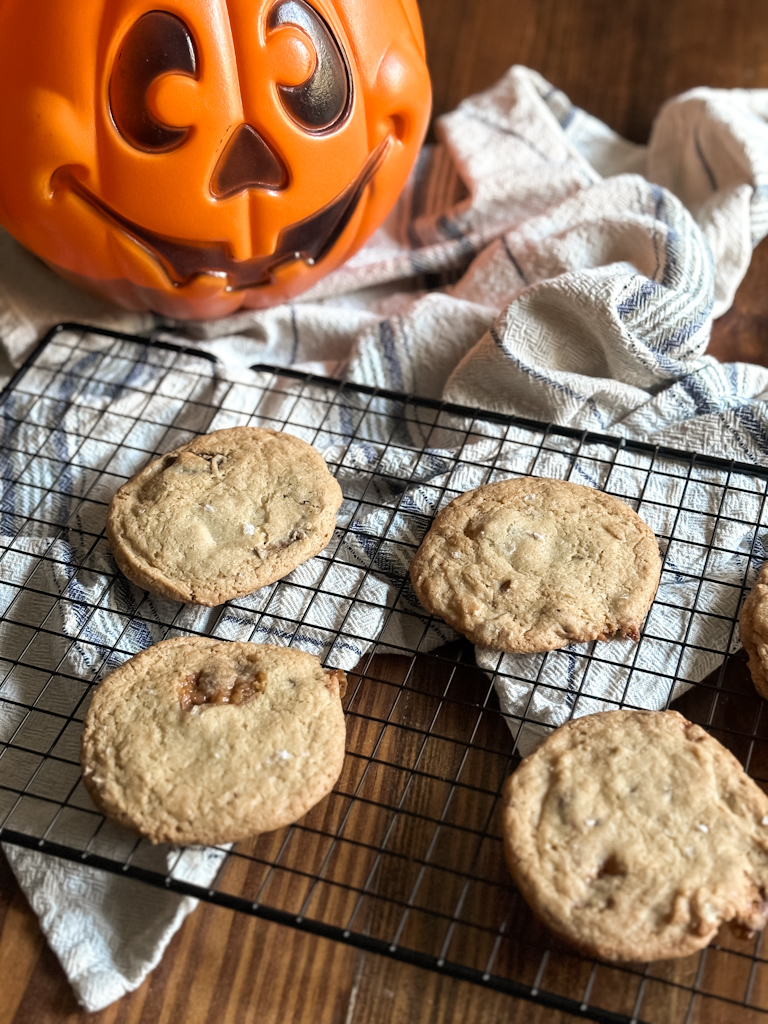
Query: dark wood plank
[227,968]
[619,61]
[741,336]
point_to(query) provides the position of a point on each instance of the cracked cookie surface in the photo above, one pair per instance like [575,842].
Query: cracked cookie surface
[635,834]
[205,741]
[220,517]
[533,564]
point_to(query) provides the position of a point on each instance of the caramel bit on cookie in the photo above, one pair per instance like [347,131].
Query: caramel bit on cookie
[219,685]
[339,677]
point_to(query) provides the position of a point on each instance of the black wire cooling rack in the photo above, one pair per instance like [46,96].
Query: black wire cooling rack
[404,857]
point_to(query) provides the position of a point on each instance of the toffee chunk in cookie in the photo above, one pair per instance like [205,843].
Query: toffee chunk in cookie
[224,515]
[533,564]
[753,628]
[206,741]
[635,834]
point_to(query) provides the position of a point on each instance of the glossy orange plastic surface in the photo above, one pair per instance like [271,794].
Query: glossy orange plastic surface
[203,155]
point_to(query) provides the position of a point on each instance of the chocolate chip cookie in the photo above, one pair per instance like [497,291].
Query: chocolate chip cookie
[203,741]
[224,515]
[635,834]
[533,564]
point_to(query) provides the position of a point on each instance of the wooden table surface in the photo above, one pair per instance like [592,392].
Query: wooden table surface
[618,59]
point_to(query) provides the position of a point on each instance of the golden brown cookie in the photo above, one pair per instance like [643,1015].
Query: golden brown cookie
[533,564]
[753,628]
[224,515]
[635,834]
[203,741]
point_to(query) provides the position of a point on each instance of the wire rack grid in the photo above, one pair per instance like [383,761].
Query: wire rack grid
[405,856]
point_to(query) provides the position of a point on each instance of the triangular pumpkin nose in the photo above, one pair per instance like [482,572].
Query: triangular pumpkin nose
[247,162]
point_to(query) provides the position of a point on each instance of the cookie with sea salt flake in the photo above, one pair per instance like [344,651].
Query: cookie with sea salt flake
[533,564]
[634,835]
[204,741]
[220,517]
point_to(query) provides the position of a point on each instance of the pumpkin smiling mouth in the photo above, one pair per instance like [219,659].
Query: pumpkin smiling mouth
[309,240]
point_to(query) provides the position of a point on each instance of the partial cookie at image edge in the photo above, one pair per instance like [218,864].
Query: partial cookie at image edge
[753,630]
[635,834]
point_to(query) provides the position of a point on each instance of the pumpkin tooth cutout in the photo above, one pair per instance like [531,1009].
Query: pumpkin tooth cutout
[226,155]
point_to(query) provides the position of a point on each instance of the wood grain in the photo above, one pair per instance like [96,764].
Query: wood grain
[619,61]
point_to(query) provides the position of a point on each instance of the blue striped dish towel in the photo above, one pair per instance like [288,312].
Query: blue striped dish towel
[536,264]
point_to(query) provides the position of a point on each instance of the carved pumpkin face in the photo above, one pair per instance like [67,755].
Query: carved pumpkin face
[201,155]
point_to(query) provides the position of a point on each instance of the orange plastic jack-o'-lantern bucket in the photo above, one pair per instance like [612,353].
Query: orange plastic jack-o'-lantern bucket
[195,156]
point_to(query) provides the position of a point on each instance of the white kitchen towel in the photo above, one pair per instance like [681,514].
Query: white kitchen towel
[108,932]
[536,264]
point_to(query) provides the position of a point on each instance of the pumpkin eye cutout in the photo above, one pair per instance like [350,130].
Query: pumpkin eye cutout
[322,103]
[158,44]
